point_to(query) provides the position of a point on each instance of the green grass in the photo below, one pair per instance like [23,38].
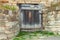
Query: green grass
[24,35]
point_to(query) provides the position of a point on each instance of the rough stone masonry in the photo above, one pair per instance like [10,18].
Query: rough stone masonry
[9,26]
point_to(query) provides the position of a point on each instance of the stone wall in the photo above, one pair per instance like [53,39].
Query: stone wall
[9,26]
[51,21]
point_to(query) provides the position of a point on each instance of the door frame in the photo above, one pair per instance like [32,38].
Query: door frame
[30,28]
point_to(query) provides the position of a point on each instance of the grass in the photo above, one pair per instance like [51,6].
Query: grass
[22,33]
[29,35]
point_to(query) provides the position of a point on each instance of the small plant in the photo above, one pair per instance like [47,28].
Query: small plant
[16,39]
[8,7]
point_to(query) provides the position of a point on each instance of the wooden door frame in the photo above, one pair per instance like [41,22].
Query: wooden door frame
[34,28]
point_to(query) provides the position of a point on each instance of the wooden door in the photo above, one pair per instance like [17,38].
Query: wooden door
[30,19]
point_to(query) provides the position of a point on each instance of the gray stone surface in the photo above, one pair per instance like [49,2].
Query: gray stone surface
[50,38]
[51,21]
[9,25]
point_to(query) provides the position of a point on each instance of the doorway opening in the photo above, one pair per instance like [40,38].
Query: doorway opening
[31,17]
